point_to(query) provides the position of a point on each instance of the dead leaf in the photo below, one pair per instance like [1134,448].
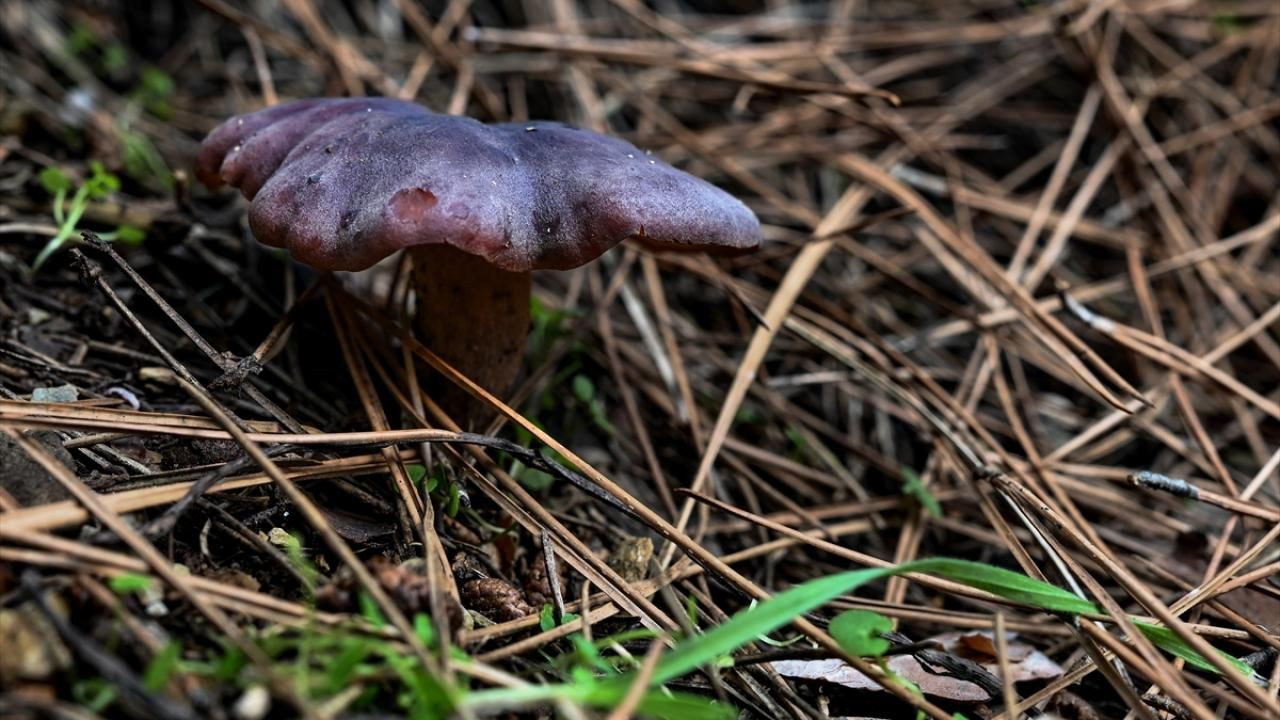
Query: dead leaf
[1026,663]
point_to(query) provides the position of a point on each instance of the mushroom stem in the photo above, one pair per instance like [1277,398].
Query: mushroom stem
[475,317]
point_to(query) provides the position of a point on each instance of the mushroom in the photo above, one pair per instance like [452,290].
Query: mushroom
[343,183]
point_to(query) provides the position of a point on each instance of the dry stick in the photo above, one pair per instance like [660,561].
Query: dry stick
[252,603]
[1044,326]
[843,552]
[977,375]
[1080,202]
[1184,489]
[233,371]
[806,263]
[1097,591]
[1062,169]
[1250,628]
[286,43]
[666,327]
[280,331]
[1048,478]
[443,583]
[534,517]
[528,508]
[528,456]
[316,519]
[93,272]
[54,515]
[635,693]
[632,408]
[661,526]
[1207,589]
[440,47]
[1162,671]
[416,512]
[260,64]
[1255,235]
[1002,657]
[553,574]
[158,564]
[662,54]
[1268,470]
[410,502]
[132,694]
[1144,595]
[1180,360]
[780,303]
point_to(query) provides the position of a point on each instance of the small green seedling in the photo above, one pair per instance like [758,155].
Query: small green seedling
[68,211]
[859,632]
[913,486]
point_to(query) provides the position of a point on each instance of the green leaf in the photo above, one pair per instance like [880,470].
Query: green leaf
[141,160]
[606,695]
[759,620]
[1005,583]
[583,388]
[691,609]
[114,57]
[455,500]
[912,485]
[859,631]
[80,39]
[416,473]
[425,631]
[155,83]
[101,183]
[94,694]
[546,617]
[535,480]
[1165,639]
[434,479]
[233,660]
[370,611]
[160,669]
[783,607]
[797,437]
[130,235]
[126,583]
[427,698]
[54,180]
[342,667]
[683,706]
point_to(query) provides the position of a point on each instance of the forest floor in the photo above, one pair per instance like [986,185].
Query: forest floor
[1014,330]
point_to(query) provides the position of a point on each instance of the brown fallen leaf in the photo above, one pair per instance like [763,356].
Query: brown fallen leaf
[1025,662]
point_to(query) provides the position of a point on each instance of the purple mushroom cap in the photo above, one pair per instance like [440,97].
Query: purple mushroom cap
[343,183]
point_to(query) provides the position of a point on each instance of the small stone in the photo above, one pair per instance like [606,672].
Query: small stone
[631,557]
[32,648]
[253,704]
[280,537]
[60,394]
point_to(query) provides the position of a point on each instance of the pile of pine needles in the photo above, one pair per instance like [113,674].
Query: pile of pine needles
[1018,303]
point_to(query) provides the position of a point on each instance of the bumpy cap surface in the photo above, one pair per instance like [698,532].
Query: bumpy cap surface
[342,183]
